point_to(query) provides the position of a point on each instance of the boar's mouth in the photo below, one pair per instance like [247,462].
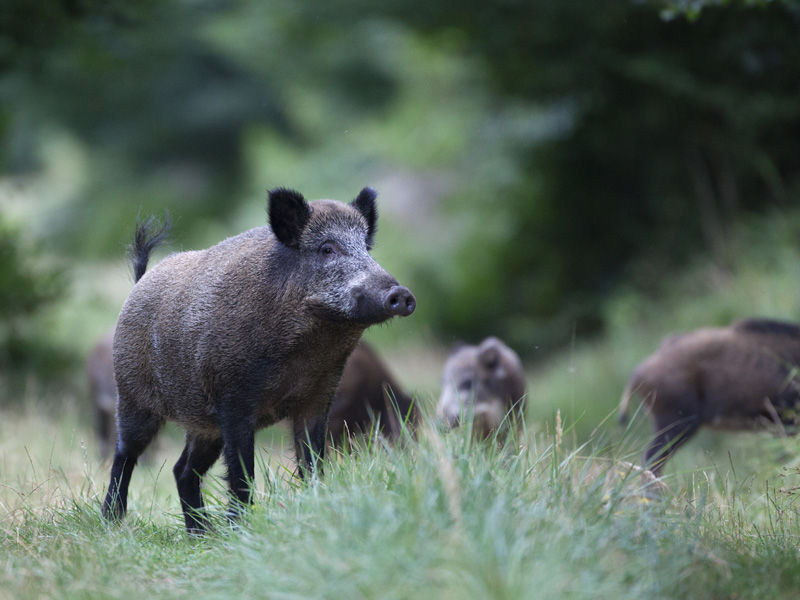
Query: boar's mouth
[324,312]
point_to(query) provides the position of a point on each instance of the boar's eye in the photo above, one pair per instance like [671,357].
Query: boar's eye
[465,385]
[328,249]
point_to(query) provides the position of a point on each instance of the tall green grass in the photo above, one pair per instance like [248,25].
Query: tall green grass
[439,516]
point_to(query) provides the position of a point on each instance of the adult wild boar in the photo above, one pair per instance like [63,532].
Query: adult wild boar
[103,392]
[485,383]
[231,339]
[369,396]
[738,377]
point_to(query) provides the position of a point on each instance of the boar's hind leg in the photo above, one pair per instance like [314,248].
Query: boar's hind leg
[136,429]
[671,432]
[309,443]
[197,457]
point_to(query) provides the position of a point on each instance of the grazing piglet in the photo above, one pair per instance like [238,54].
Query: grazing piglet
[231,339]
[368,394]
[739,377]
[485,383]
[103,392]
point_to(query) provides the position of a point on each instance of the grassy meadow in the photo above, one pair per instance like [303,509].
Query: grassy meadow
[555,513]
[440,517]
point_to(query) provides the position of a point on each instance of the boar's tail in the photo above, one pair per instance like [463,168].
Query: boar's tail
[149,234]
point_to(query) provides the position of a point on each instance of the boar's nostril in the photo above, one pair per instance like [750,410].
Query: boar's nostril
[400,301]
[411,303]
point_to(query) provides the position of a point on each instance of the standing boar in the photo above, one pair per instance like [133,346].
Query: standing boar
[485,383]
[103,392]
[368,395]
[231,339]
[739,377]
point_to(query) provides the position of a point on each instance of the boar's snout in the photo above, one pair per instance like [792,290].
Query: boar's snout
[399,301]
[375,305]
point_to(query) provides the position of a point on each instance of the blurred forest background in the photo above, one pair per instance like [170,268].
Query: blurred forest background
[546,170]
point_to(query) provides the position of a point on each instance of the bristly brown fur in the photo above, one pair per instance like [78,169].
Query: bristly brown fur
[738,377]
[368,395]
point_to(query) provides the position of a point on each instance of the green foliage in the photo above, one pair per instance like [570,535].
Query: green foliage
[27,285]
[581,151]
[160,97]
[22,288]
[661,134]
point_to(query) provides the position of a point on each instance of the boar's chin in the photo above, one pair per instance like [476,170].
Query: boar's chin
[355,316]
[370,317]
[489,416]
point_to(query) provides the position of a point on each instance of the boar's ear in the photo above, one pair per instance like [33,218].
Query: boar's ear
[365,203]
[489,352]
[288,214]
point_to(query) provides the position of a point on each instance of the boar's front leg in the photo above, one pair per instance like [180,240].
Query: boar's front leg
[309,443]
[310,424]
[238,436]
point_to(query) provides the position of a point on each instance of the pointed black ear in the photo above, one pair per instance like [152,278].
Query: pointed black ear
[489,352]
[288,215]
[365,203]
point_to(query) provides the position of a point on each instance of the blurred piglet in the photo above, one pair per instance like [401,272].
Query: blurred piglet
[103,395]
[485,383]
[369,396]
[103,392]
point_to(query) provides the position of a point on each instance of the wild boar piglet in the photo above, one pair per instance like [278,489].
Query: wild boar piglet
[485,383]
[739,377]
[369,396]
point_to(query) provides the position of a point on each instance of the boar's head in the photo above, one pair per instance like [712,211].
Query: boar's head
[325,252]
[481,383]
